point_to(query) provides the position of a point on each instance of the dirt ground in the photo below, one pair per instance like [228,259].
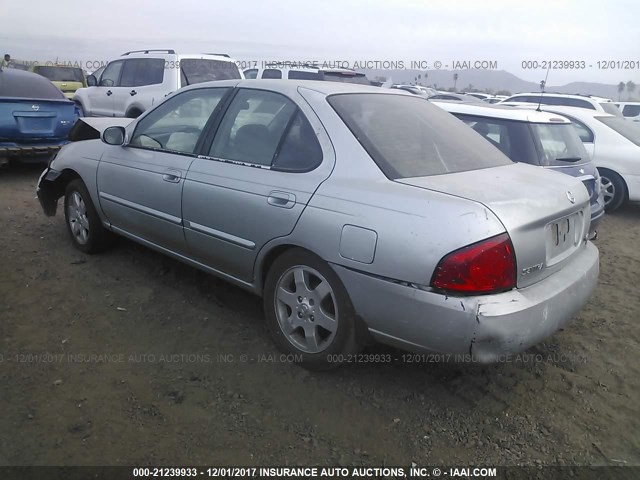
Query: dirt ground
[131,358]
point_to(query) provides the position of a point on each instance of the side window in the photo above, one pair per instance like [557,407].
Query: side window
[251,73]
[271,73]
[574,102]
[300,150]
[176,125]
[138,72]
[252,127]
[111,74]
[584,132]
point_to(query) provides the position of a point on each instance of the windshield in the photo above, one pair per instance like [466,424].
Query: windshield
[197,70]
[611,108]
[558,144]
[61,74]
[408,137]
[629,130]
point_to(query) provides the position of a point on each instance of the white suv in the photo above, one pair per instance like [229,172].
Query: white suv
[133,83]
[630,110]
[343,75]
[599,104]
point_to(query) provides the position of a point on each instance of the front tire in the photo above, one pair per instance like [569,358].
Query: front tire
[308,311]
[614,189]
[83,223]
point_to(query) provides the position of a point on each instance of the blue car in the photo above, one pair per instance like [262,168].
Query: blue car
[35,117]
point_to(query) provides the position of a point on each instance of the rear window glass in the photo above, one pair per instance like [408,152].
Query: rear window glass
[19,84]
[408,137]
[61,74]
[197,70]
[558,144]
[629,130]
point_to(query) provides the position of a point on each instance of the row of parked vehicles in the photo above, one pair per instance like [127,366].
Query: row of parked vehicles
[358,213]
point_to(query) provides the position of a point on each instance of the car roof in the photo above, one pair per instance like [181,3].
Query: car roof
[577,112]
[171,53]
[593,98]
[502,112]
[287,86]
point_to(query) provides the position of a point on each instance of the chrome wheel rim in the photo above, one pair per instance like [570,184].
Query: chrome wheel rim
[608,190]
[78,221]
[306,309]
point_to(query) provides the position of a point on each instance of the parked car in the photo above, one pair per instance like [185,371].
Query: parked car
[630,110]
[543,139]
[132,84]
[614,145]
[35,117]
[68,79]
[344,75]
[416,89]
[456,97]
[355,211]
[590,102]
[478,95]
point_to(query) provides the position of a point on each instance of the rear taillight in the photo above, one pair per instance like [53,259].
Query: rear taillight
[485,267]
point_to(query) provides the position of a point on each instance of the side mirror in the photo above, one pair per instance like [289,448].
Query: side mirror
[92,81]
[113,136]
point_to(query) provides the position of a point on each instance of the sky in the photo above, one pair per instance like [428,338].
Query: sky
[505,32]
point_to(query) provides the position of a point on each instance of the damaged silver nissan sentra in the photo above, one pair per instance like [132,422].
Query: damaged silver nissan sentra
[356,212]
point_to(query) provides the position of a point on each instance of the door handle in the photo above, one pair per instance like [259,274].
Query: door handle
[281,199]
[109,93]
[172,176]
[132,93]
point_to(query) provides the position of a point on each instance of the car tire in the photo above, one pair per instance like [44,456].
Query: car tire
[308,311]
[83,223]
[614,189]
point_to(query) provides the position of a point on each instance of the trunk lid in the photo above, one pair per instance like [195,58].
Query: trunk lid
[28,121]
[535,206]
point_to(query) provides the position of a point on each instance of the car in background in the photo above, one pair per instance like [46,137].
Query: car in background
[35,117]
[456,97]
[630,110]
[441,245]
[614,145]
[68,79]
[343,75]
[416,89]
[538,138]
[478,95]
[590,102]
[140,79]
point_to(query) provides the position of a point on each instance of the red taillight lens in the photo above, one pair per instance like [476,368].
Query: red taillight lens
[485,267]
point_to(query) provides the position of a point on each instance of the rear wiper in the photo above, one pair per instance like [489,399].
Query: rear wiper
[568,159]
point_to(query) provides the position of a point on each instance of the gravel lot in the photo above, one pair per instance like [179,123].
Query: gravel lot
[126,358]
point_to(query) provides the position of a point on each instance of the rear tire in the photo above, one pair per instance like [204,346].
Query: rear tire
[308,311]
[83,223]
[614,189]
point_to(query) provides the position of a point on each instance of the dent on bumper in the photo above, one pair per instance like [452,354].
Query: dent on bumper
[487,327]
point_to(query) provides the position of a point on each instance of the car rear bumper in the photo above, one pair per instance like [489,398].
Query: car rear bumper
[487,327]
[30,153]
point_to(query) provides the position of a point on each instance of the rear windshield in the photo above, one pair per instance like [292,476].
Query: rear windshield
[408,137]
[629,130]
[558,144]
[196,70]
[61,74]
[611,108]
[19,84]
[359,78]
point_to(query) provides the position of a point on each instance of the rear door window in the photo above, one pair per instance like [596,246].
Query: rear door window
[251,73]
[138,72]
[253,127]
[271,73]
[198,70]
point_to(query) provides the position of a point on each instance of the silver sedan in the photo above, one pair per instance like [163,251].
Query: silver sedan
[357,213]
